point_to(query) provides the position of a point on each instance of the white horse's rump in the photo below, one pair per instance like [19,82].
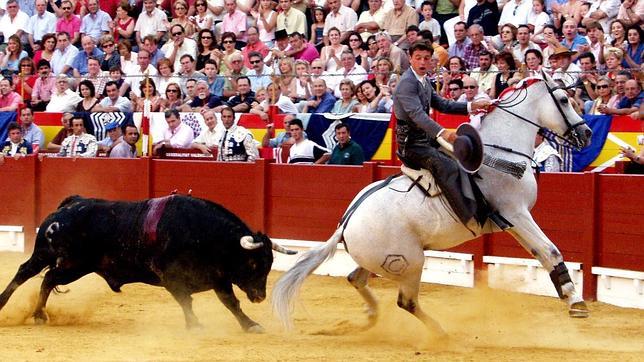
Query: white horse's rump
[389,229]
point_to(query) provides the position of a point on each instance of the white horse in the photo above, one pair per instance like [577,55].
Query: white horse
[389,229]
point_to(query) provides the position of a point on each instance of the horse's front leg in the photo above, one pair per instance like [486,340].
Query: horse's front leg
[531,237]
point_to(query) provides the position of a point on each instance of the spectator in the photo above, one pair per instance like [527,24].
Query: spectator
[39,24]
[340,17]
[384,71]
[346,151]
[523,43]
[301,49]
[206,45]
[179,46]
[546,157]
[180,18]
[537,19]
[398,19]
[629,104]
[225,58]
[350,70]
[260,74]
[16,146]
[43,86]
[637,159]
[30,131]
[79,64]
[604,12]
[9,100]
[372,49]
[290,19]
[393,52]
[505,42]
[14,22]
[88,92]
[242,101]
[276,98]
[69,24]
[282,137]
[372,95]
[111,57]
[486,15]
[612,58]
[372,20]
[506,75]
[64,55]
[303,150]
[439,52]
[254,45]
[190,90]
[203,100]
[635,48]
[96,76]
[587,79]
[461,40]
[234,22]
[203,18]
[66,120]
[151,21]
[630,12]
[148,90]
[429,23]
[278,51]
[126,148]
[569,10]
[347,101]
[165,76]
[46,48]
[357,47]
[485,74]
[128,57]
[96,23]
[237,143]
[114,137]
[177,135]
[454,89]
[123,25]
[137,74]
[571,39]
[472,51]
[173,97]
[595,35]
[208,139]
[363,104]
[25,79]
[317,28]
[235,71]
[114,102]
[456,70]
[604,93]
[11,56]
[618,86]
[300,85]
[563,67]
[552,43]
[534,63]
[471,91]
[79,144]
[322,100]
[515,12]
[330,53]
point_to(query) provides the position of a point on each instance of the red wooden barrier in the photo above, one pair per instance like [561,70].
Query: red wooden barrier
[594,219]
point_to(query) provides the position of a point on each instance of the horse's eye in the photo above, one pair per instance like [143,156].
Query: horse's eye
[564,100]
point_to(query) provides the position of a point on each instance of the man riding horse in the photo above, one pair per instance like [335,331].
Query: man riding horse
[417,133]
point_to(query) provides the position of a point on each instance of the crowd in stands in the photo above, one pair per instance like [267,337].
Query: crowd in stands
[315,56]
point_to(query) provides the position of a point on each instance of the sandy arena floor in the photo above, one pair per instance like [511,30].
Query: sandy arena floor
[91,323]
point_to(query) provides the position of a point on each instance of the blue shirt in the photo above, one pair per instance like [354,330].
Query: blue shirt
[326,104]
[95,25]
[80,60]
[217,87]
[630,103]
[576,42]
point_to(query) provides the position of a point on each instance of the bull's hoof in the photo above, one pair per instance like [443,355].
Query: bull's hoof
[578,310]
[257,329]
[40,318]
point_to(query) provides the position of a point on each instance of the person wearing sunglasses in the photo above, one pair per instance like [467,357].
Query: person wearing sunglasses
[259,74]
[253,45]
[180,17]
[178,46]
[111,57]
[68,22]
[604,92]
[203,18]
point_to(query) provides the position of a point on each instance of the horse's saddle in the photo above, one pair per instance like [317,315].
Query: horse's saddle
[423,178]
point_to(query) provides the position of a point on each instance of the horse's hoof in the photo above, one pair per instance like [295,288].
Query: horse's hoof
[578,310]
[256,329]
[40,318]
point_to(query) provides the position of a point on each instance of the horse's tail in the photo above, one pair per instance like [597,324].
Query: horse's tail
[287,287]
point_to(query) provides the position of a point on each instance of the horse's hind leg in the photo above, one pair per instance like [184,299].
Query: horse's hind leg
[359,278]
[408,300]
[532,238]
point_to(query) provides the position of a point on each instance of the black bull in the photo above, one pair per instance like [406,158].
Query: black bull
[185,244]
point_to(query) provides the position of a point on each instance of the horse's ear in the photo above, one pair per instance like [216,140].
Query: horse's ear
[547,78]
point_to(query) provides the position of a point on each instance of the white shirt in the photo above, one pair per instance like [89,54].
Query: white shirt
[515,14]
[357,74]
[188,46]
[210,137]
[610,8]
[259,80]
[569,76]
[65,102]
[344,20]
[38,25]
[150,25]
[60,59]
[135,76]
[180,137]
[8,27]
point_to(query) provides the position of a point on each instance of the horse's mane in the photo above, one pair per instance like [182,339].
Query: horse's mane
[523,83]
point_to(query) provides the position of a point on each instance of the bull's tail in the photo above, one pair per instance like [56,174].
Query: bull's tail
[287,287]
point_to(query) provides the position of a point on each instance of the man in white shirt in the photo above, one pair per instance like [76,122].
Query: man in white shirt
[305,151]
[41,23]
[515,12]
[524,43]
[208,139]
[63,57]
[178,134]
[178,46]
[151,22]
[290,19]
[350,70]
[603,11]
[485,74]
[563,67]
[113,102]
[14,21]
[371,21]
[136,74]
[63,99]
[341,17]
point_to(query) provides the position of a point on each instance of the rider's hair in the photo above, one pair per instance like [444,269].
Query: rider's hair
[420,46]
[296,122]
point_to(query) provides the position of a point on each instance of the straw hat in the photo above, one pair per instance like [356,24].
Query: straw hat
[562,51]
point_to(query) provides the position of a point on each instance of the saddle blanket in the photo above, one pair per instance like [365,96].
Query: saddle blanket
[423,178]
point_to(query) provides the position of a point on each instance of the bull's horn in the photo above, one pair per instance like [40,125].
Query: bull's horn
[248,243]
[280,249]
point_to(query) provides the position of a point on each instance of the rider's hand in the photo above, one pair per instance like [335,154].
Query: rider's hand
[482,104]
[448,136]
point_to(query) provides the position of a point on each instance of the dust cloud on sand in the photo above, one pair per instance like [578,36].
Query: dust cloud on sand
[144,323]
